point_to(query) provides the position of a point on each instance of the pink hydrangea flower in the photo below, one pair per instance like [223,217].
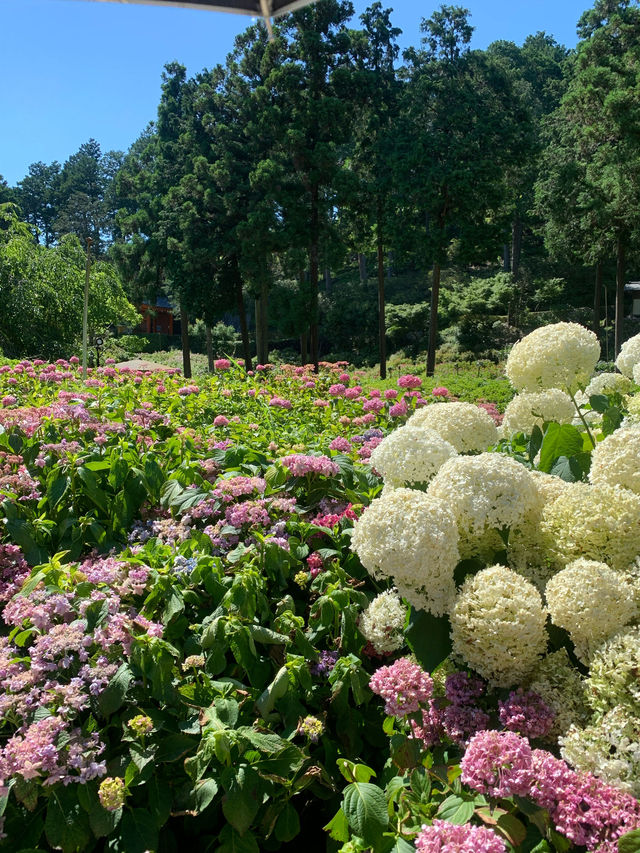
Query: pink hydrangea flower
[408,380]
[403,685]
[390,394]
[222,364]
[443,837]
[341,444]
[441,391]
[337,390]
[525,712]
[300,464]
[399,410]
[498,764]
[9,400]
[220,420]
[279,403]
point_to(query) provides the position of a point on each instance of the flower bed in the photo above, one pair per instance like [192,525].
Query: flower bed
[205,588]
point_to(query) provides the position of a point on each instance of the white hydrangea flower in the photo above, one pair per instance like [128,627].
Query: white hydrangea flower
[592,602]
[411,455]
[468,428]
[382,623]
[595,522]
[498,626]
[561,355]
[561,687]
[532,409]
[613,674]
[615,461]
[413,539]
[609,748]
[487,492]
[629,356]
[608,383]
[527,552]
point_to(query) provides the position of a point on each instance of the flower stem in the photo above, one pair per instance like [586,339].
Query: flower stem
[583,419]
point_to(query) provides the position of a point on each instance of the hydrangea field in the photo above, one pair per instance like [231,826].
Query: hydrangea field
[279,609]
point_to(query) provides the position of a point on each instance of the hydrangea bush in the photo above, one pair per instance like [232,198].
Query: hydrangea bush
[214,616]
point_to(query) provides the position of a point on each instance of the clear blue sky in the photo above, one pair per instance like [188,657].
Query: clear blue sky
[73,69]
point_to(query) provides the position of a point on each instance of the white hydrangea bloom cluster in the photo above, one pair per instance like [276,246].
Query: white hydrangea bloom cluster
[615,461]
[498,626]
[610,749]
[382,623]
[592,602]
[411,455]
[629,356]
[561,355]
[561,687]
[412,538]
[613,674]
[531,409]
[526,552]
[608,383]
[636,373]
[488,492]
[467,427]
[595,522]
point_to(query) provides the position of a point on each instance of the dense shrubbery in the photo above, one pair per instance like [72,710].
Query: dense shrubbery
[205,587]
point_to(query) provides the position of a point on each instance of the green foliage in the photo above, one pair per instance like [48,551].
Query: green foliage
[42,291]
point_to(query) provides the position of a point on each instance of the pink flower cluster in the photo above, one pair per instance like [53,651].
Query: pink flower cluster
[526,713]
[408,380]
[403,685]
[443,837]
[582,807]
[300,464]
[279,403]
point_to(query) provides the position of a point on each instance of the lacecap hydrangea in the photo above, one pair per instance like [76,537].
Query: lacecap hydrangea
[531,409]
[411,455]
[498,625]
[467,427]
[560,355]
[592,602]
[411,538]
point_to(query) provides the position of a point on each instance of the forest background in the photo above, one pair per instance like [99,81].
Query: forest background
[324,197]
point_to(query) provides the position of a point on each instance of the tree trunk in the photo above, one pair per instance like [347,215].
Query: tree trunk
[433,320]
[184,335]
[313,279]
[506,258]
[382,330]
[362,268]
[209,349]
[516,245]
[244,330]
[597,299]
[262,325]
[620,265]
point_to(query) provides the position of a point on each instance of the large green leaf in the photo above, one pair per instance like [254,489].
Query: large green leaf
[67,824]
[428,638]
[559,440]
[365,807]
[630,843]
[113,696]
[456,810]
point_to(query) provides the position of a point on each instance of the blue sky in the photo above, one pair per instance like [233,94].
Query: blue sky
[74,69]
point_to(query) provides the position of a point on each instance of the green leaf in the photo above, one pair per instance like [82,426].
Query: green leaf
[57,490]
[137,833]
[67,824]
[630,843]
[365,807]
[240,804]
[559,440]
[513,829]
[567,468]
[175,746]
[113,696]
[288,824]
[338,827]
[428,638]
[234,842]
[456,810]
[97,495]
[204,793]
[159,800]
[599,403]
